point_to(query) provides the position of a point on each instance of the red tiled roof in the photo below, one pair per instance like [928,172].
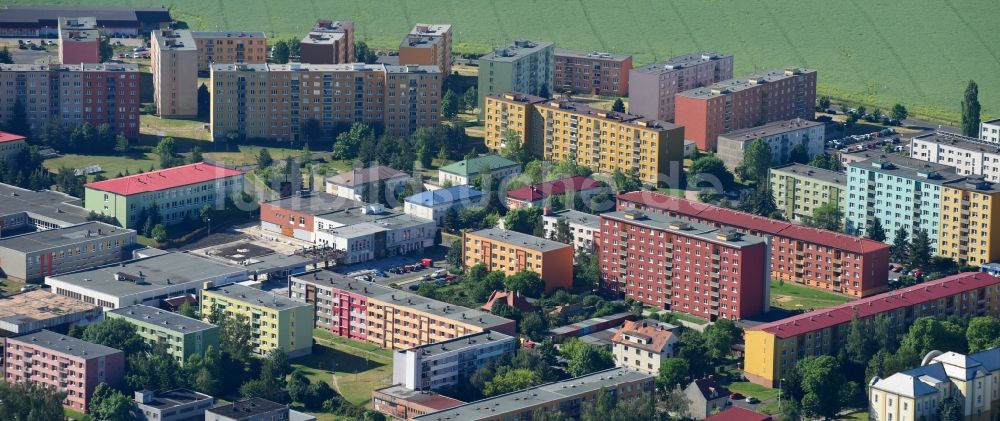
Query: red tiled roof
[753,222]
[512,298]
[865,307]
[540,191]
[9,137]
[660,336]
[736,413]
[164,179]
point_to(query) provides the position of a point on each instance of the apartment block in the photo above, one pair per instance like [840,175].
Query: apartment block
[273,101]
[33,256]
[295,216]
[989,131]
[79,40]
[683,266]
[582,226]
[61,362]
[229,47]
[799,189]
[772,349]
[901,192]
[427,45]
[764,97]
[523,66]
[328,42]
[828,260]
[174,64]
[183,336]
[399,403]
[434,205]
[970,221]
[373,232]
[917,393]
[388,317]
[967,155]
[568,396]
[467,170]
[604,141]
[651,89]
[276,322]
[170,405]
[781,137]
[442,364]
[178,192]
[568,188]
[643,346]
[591,72]
[11,145]
[363,183]
[32,311]
[102,93]
[511,252]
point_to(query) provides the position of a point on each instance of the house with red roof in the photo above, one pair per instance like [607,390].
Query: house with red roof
[643,345]
[829,260]
[535,195]
[511,298]
[177,193]
[11,144]
[735,413]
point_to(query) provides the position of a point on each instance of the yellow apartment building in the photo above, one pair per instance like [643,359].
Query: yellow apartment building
[514,113]
[969,221]
[275,320]
[511,252]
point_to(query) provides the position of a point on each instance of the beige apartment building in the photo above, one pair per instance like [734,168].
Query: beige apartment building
[428,45]
[230,47]
[273,101]
[174,61]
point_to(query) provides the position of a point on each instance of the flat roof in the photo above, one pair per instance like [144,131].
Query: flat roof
[624,118]
[246,408]
[331,68]
[427,399]
[380,216]
[958,141]
[39,305]
[360,176]
[808,171]
[83,67]
[518,97]
[324,278]
[771,129]
[51,205]
[139,275]
[66,344]
[573,327]
[175,398]
[256,297]
[911,168]
[161,318]
[727,87]
[446,195]
[685,228]
[164,179]
[677,63]
[459,343]
[61,237]
[420,41]
[516,50]
[977,184]
[519,239]
[994,121]
[591,55]
[256,259]
[576,217]
[228,34]
[10,137]
[177,39]
[430,29]
[474,166]
[538,395]
[14,13]
[315,203]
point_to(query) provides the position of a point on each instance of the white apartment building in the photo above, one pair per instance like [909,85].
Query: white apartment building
[581,227]
[643,345]
[969,156]
[441,364]
[989,131]
[373,233]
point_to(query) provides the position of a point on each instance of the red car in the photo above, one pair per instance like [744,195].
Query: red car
[736,396]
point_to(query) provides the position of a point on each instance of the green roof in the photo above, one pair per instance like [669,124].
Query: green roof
[492,162]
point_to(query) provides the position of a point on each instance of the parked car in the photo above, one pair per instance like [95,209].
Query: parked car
[752,400]
[138,49]
[736,396]
[29,287]
[450,277]
[414,286]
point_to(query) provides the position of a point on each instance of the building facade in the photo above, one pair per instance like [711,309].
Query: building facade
[772,349]
[781,136]
[328,42]
[230,47]
[828,260]
[178,193]
[465,171]
[39,309]
[434,205]
[427,45]
[705,397]
[174,64]
[967,155]
[387,317]
[295,216]
[652,88]
[683,266]
[513,114]
[522,66]
[989,131]
[61,362]
[799,189]
[182,336]
[33,256]
[31,21]
[373,236]
[11,145]
[399,403]
[582,226]
[255,409]
[276,321]
[764,97]
[969,221]
[591,72]
[363,183]
[274,101]
[79,40]
[643,346]
[171,405]
[102,93]
[442,364]
[511,252]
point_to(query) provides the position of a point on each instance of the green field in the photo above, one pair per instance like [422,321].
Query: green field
[918,52]
[352,368]
[790,296]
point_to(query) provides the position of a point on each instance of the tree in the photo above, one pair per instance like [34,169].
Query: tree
[919,250]
[826,161]
[532,325]
[5,57]
[30,402]
[827,216]
[187,310]
[760,201]
[875,231]
[312,130]
[454,256]
[824,103]
[709,170]
[624,182]
[563,233]
[264,159]
[195,156]
[108,404]
[156,369]
[280,52]
[899,113]
[166,150]
[122,144]
[618,106]
[511,380]
[159,233]
[514,149]
[970,110]
[204,101]
[449,105]
[105,50]
[585,358]
[822,384]
[347,143]
[859,346]
[983,333]
[17,121]
[900,245]
[950,409]
[798,154]
[673,373]
[928,334]
[756,162]
[586,270]
[363,54]
[115,333]
[471,98]
[526,282]
[720,338]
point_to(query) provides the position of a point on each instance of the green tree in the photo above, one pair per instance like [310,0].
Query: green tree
[514,148]
[364,54]
[563,233]
[17,120]
[586,270]
[859,345]
[187,310]
[280,52]
[511,380]
[826,161]
[264,159]
[471,98]
[900,246]
[532,325]
[105,50]
[899,113]
[971,110]
[30,402]
[347,143]
[824,103]
[673,373]
[919,249]
[526,282]
[585,358]
[166,150]
[798,154]
[983,333]
[5,57]
[122,144]
[927,334]
[155,369]
[827,216]
[108,404]
[950,409]
[449,105]
[756,162]
[875,230]
[708,169]
[159,233]
[454,256]
[115,333]
[720,338]
[204,101]
[618,106]
[195,156]
[760,201]
[624,182]
[823,384]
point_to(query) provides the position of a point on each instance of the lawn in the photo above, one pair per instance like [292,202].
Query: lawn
[752,389]
[10,286]
[790,296]
[352,368]
[864,50]
[74,415]
[111,164]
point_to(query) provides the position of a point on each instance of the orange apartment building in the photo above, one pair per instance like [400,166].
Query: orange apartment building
[427,45]
[230,47]
[511,252]
[273,101]
[591,72]
[328,42]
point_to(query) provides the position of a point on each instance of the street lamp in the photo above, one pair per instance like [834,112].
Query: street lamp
[779,394]
[209,220]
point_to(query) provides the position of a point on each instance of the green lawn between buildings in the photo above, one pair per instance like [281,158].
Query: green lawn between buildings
[790,296]
[352,368]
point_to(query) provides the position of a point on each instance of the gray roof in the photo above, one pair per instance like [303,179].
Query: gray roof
[924,380]
[419,41]
[677,63]
[809,171]
[316,203]
[385,217]
[687,228]
[179,39]
[911,168]
[156,272]
[576,217]
[162,318]
[247,408]
[175,398]
[994,121]
[573,327]
[516,51]
[591,55]
[538,395]
[62,237]
[958,141]
[85,67]
[50,205]
[228,34]
[257,297]
[430,29]
[520,239]
[106,14]
[359,176]
[771,129]
[66,344]
[734,85]
[459,343]
[310,67]
[327,279]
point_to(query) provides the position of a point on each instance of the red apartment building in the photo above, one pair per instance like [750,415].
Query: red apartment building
[734,104]
[329,42]
[591,72]
[686,267]
[842,263]
[64,363]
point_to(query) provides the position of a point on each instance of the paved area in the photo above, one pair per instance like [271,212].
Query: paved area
[437,253]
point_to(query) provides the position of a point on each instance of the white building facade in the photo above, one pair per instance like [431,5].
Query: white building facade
[442,364]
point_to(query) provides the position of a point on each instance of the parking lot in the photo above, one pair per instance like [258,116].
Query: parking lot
[436,254]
